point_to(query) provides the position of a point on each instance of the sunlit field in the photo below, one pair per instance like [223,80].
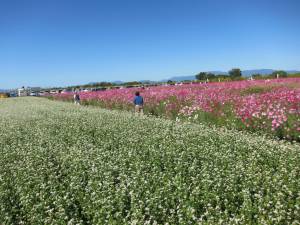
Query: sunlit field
[68,164]
[266,106]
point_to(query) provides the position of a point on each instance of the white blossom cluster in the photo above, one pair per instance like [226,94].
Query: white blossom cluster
[67,164]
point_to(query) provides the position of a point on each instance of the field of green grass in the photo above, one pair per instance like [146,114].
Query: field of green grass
[67,164]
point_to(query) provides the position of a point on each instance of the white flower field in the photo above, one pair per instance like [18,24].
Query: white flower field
[67,164]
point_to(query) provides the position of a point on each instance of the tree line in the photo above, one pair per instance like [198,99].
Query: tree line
[236,74]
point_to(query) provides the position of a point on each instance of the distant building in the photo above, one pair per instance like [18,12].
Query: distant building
[54,91]
[23,92]
[29,91]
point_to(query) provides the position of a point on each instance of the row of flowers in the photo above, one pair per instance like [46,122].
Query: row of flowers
[271,105]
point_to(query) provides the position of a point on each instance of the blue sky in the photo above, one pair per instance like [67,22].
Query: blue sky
[65,42]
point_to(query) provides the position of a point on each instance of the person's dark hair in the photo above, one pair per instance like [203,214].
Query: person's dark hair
[137,93]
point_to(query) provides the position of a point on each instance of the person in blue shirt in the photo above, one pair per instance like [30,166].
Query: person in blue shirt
[138,103]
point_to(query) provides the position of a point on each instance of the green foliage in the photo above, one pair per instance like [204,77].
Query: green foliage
[65,164]
[205,76]
[210,76]
[132,83]
[235,73]
[201,76]
[279,73]
[294,75]
[257,76]
[256,90]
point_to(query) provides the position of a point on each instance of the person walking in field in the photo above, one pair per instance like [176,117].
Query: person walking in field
[76,98]
[138,103]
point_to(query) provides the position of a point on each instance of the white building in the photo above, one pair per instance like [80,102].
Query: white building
[32,91]
[23,92]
